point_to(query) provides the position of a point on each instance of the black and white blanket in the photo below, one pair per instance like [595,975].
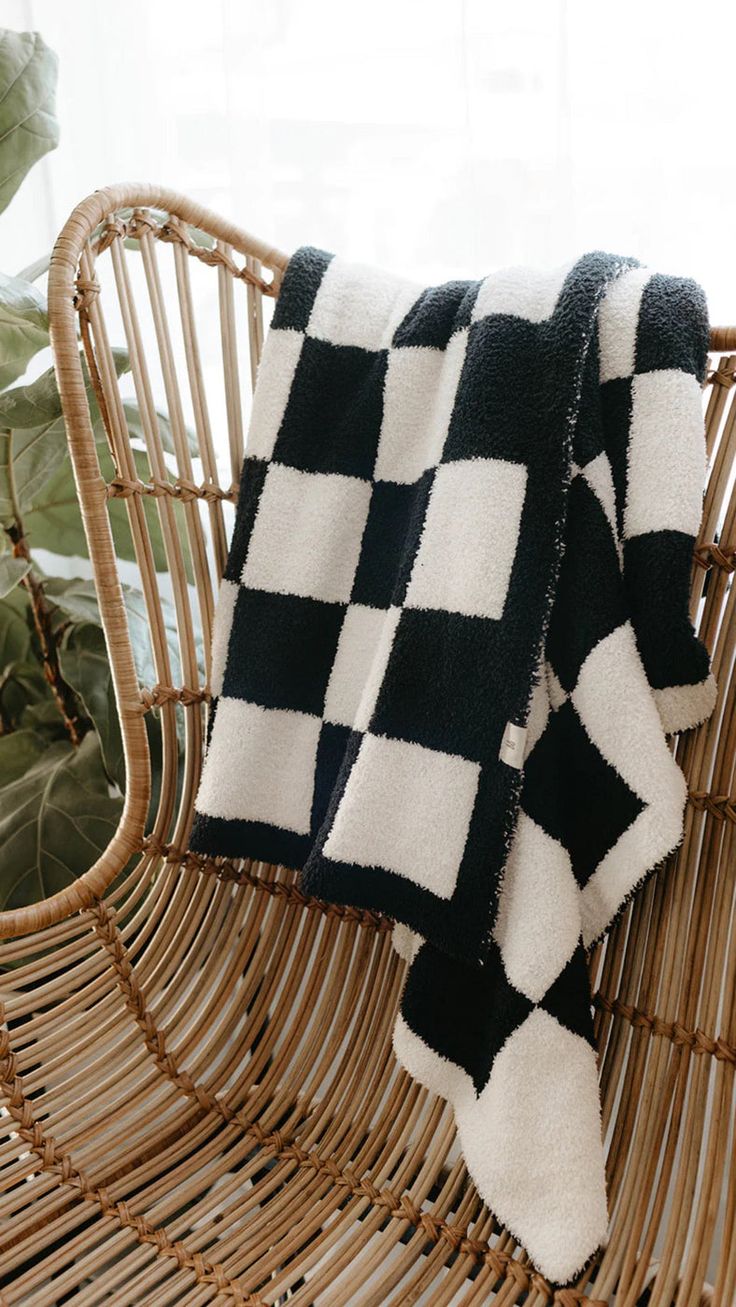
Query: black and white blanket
[451,637]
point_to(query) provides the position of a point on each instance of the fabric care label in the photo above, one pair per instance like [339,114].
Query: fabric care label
[512,745]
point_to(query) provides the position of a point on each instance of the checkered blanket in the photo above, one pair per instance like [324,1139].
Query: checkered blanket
[452,635]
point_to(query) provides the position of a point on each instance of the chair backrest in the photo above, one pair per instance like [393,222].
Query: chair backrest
[141,268]
[131,281]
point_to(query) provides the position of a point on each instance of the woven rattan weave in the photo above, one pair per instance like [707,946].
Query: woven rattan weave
[199,1098]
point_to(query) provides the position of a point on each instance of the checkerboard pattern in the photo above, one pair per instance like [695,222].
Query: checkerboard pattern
[511,1044]
[457,511]
[392,511]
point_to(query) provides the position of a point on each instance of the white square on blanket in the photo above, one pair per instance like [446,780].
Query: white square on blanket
[221,629]
[407,809]
[281,352]
[363,651]
[618,320]
[469,540]
[666,455]
[307,533]
[418,399]
[360,305]
[537,926]
[260,765]
[521,292]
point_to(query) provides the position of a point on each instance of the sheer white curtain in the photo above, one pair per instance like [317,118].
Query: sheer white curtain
[439,137]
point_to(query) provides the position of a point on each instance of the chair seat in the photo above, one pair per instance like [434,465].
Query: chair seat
[210,1110]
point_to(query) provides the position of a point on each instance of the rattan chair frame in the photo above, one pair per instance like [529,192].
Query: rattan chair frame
[200,1102]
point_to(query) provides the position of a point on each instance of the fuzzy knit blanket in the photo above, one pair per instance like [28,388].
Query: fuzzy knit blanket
[451,639]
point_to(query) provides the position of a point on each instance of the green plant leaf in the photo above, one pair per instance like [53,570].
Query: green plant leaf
[18,753]
[21,673]
[15,629]
[44,719]
[12,571]
[24,325]
[77,602]
[28,458]
[84,663]
[54,521]
[33,447]
[33,405]
[28,125]
[55,820]
[119,518]
[34,444]
[140,634]
[39,402]
[135,430]
[85,666]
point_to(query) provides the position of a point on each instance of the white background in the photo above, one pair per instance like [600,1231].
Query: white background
[437,137]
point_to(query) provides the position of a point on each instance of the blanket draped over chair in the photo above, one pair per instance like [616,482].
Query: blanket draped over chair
[450,642]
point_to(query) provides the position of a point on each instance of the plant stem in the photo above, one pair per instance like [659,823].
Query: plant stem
[75,723]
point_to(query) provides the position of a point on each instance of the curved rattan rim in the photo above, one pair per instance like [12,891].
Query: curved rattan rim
[91,490]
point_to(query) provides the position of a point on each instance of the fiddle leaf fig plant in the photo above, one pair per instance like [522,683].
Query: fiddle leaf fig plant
[62,773]
[28,125]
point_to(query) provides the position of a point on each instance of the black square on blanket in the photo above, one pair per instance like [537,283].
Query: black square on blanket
[333,416]
[291,644]
[574,794]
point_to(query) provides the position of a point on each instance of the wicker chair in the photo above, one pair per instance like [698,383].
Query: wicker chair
[199,1098]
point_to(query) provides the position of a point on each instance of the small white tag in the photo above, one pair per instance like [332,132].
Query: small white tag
[512,745]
